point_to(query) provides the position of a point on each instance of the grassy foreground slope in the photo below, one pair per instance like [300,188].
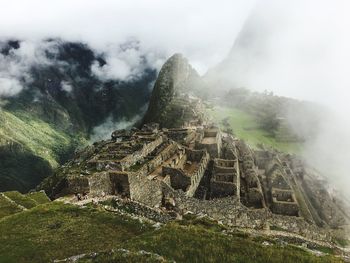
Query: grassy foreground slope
[245,127]
[56,231]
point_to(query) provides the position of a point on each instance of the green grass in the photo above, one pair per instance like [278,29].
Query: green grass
[245,127]
[39,197]
[123,256]
[342,242]
[20,199]
[28,201]
[194,243]
[7,208]
[57,231]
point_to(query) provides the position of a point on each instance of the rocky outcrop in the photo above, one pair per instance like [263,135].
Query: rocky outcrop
[176,77]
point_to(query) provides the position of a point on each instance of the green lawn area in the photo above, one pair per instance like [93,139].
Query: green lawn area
[56,231]
[245,127]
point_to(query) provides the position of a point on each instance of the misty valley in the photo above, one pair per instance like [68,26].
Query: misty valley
[195,132]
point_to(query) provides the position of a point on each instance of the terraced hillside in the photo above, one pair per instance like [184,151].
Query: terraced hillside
[14,202]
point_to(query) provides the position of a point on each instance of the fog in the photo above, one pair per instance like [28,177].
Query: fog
[300,49]
[294,48]
[14,69]
[104,131]
[202,30]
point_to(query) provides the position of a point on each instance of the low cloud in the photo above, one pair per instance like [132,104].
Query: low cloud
[66,86]
[125,62]
[300,49]
[104,131]
[9,87]
[15,66]
[202,30]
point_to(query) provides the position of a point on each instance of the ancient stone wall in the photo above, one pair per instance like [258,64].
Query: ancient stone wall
[224,163]
[198,174]
[145,190]
[182,136]
[77,184]
[230,211]
[221,169]
[178,179]
[120,183]
[224,180]
[252,189]
[139,209]
[262,158]
[147,148]
[100,184]
[194,155]
[221,189]
[211,141]
[169,151]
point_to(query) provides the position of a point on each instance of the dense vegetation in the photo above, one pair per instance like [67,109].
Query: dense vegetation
[56,231]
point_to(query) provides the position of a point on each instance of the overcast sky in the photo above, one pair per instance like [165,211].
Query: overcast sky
[203,30]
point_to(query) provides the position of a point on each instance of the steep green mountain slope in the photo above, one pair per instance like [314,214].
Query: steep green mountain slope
[57,231]
[30,149]
[61,102]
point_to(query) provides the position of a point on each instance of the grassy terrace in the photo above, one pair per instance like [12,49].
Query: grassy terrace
[245,127]
[7,207]
[56,231]
[13,202]
[39,197]
[20,199]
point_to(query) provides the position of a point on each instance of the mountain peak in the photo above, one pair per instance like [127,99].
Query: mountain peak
[175,77]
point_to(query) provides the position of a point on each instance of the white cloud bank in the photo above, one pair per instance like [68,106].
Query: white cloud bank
[301,49]
[14,67]
[203,30]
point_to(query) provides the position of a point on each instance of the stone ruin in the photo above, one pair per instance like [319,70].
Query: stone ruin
[198,168]
[151,164]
